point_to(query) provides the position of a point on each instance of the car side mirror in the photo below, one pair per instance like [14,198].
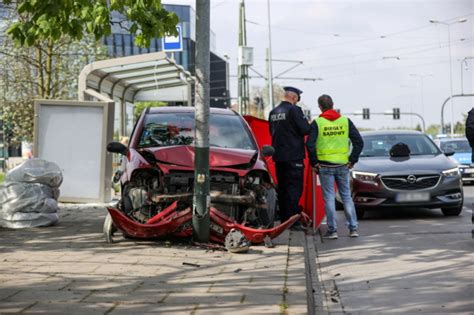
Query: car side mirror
[117,147]
[268,150]
[449,152]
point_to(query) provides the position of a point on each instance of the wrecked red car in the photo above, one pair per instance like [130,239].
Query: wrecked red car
[157,178]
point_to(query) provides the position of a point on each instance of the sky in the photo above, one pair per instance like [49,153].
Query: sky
[369,54]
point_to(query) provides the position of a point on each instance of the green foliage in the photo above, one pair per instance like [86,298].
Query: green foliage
[433,130]
[2,177]
[459,127]
[140,106]
[46,70]
[51,20]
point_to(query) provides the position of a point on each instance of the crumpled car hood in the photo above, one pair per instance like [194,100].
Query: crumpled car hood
[218,157]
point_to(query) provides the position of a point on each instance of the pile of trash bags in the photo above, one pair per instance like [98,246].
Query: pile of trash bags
[28,198]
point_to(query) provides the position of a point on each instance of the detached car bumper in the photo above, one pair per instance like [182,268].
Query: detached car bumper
[446,193]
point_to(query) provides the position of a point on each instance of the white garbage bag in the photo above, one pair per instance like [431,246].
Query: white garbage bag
[25,197]
[36,171]
[28,198]
[20,220]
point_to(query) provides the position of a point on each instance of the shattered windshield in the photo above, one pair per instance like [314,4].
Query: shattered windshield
[168,129]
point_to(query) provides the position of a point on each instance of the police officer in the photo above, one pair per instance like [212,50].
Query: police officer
[288,126]
[329,153]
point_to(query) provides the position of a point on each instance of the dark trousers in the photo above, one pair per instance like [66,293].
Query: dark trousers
[290,187]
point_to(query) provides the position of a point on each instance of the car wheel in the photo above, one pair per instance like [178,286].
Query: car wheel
[271,198]
[109,229]
[450,212]
[360,213]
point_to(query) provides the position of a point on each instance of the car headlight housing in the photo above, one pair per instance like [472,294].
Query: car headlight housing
[452,172]
[364,176]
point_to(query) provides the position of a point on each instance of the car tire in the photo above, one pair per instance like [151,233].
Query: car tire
[271,206]
[453,211]
[360,213]
[109,229]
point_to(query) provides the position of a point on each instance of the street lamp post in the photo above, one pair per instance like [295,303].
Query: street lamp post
[450,65]
[464,61]
[270,60]
[421,76]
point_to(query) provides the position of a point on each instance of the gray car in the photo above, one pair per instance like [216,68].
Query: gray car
[424,178]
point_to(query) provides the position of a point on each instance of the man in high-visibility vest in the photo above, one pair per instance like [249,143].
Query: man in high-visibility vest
[330,155]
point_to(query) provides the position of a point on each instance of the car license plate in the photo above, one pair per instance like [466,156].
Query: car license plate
[469,170]
[413,197]
[216,228]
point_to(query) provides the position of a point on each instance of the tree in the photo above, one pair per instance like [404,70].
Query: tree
[433,130]
[140,106]
[259,99]
[50,20]
[51,41]
[46,24]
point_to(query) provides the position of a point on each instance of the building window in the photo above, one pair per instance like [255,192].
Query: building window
[118,41]
[127,44]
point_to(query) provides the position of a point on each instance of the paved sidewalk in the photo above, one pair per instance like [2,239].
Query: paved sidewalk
[69,269]
[416,262]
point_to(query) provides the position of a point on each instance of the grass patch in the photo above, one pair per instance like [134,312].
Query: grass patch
[2,177]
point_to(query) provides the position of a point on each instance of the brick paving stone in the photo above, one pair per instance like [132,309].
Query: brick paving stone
[69,269]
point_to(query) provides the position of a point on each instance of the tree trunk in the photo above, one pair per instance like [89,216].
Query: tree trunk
[49,74]
[39,55]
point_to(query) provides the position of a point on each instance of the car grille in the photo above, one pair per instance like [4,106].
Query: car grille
[416,183]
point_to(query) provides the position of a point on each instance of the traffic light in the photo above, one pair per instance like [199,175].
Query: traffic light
[396,113]
[365,113]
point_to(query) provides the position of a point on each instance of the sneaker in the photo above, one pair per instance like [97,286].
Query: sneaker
[353,233]
[330,235]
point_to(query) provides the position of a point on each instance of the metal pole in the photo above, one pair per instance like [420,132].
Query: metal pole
[462,74]
[315,184]
[444,104]
[239,67]
[270,72]
[422,99]
[201,198]
[451,81]
[419,116]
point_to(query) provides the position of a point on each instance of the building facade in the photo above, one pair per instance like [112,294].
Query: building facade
[121,43]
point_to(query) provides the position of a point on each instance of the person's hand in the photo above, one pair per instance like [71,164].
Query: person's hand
[316,167]
[350,165]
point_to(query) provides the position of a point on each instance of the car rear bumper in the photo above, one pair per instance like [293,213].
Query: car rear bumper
[447,193]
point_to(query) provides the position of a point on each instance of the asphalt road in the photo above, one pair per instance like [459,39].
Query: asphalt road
[408,261]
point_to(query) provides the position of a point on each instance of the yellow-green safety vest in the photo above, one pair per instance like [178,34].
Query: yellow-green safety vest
[332,144]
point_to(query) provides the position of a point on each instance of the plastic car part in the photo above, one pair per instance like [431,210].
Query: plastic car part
[255,236]
[178,223]
[163,213]
[167,225]
[235,242]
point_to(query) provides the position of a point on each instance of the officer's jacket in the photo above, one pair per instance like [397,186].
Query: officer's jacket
[288,126]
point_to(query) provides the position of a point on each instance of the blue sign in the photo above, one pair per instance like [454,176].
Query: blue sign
[174,43]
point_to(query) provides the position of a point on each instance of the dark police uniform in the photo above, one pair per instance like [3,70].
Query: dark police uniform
[288,126]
